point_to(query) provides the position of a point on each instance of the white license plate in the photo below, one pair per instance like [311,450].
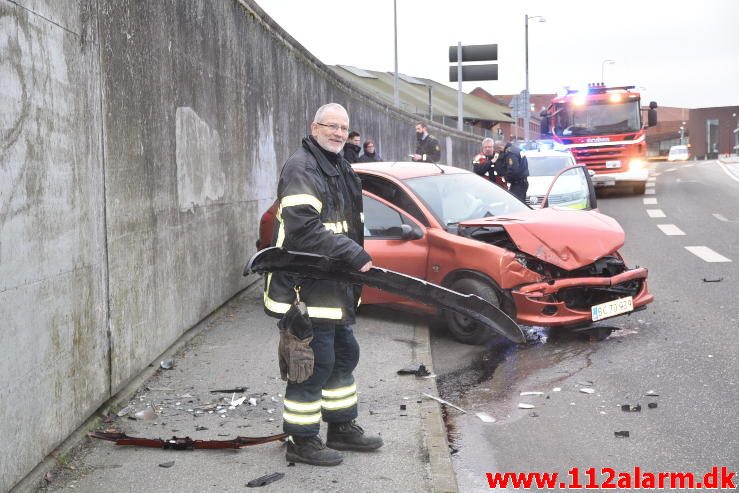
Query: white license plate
[613,164]
[612,308]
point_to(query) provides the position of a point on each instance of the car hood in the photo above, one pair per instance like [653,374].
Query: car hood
[567,239]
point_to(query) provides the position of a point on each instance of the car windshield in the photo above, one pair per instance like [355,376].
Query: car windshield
[453,198]
[547,165]
[597,118]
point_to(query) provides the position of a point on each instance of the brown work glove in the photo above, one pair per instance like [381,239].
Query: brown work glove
[295,356]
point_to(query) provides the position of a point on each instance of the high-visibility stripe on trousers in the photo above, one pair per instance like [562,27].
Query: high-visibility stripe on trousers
[330,393]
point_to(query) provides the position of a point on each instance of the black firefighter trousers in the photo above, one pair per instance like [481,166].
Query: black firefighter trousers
[330,393]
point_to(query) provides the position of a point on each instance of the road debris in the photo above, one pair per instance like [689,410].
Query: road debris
[167,464]
[523,405]
[265,480]
[418,370]
[145,414]
[124,411]
[531,393]
[557,389]
[442,401]
[166,364]
[587,390]
[585,383]
[485,417]
[621,434]
[627,408]
[652,405]
[235,390]
[716,279]
[252,401]
[652,393]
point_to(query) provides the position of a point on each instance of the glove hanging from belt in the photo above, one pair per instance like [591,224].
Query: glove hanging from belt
[296,333]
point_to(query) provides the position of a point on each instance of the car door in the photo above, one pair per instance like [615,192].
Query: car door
[395,241]
[571,188]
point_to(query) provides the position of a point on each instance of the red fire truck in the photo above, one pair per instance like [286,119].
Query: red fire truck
[603,128]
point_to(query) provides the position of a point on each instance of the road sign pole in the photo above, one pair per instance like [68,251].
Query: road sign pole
[460,110]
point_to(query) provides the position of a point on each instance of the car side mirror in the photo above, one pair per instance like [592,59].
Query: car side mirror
[408,232]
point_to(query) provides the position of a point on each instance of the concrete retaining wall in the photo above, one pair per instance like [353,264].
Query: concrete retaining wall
[139,143]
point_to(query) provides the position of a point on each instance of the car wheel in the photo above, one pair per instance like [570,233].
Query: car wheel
[639,188]
[465,329]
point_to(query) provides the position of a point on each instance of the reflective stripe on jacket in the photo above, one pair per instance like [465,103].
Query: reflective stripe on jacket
[320,212]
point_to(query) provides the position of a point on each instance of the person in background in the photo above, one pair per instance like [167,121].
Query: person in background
[320,212]
[370,153]
[515,168]
[351,148]
[483,164]
[428,149]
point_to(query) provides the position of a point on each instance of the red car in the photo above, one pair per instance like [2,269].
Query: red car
[545,267]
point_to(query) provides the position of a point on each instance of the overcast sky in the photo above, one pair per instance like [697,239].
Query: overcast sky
[681,53]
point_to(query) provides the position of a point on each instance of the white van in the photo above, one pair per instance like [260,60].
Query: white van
[678,153]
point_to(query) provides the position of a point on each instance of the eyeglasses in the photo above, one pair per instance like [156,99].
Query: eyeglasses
[334,127]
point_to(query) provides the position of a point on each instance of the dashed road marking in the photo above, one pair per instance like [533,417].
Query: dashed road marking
[650,191]
[650,201]
[705,253]
[655,213]
[671,230]
[670,169]
[650,184]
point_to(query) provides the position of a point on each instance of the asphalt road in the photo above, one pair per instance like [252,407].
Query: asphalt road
[684,347]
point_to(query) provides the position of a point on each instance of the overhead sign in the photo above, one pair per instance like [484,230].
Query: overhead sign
[475,53]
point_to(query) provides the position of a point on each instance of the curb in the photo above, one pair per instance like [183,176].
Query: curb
[443,479]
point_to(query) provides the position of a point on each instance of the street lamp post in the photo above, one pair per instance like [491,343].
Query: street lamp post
[602,69]
[527,110]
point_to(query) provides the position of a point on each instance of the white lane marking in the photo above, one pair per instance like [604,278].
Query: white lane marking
[651,179]
[650,191]
[650,184]
[705,253]
[720,217]
[656,213]
[670,169]
[726,170]
[671,230]
[688,165]
[650,201]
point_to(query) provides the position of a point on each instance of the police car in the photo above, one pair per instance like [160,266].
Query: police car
[545,162]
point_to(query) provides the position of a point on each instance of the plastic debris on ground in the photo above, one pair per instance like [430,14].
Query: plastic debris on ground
[252,401]
[652,393]
[145,414]
[587,390]
[621,434]
[235,390]
[166,364]
[124,411]
[523,405]
[716,279]
[652,405]
[485,417]
[534,414]
[265,480]
[418,370]
[557,389]
[627,408]
[531,393]
[167,464]
[442,401]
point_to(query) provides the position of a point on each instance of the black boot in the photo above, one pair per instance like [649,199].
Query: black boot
[311,450]
[350,436]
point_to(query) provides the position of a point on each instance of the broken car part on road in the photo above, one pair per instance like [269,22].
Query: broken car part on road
[184,443]
[321,267]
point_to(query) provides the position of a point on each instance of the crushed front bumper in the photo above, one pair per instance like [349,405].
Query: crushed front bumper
[552,303]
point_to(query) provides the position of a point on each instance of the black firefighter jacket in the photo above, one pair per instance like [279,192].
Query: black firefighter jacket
[320,212]
[429,149]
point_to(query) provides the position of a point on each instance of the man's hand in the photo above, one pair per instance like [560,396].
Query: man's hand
[366,267]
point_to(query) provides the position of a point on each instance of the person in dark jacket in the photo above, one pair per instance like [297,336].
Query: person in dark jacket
[370,153]
[483,164]
[351,148]
[515,169]
[428,149]
[320,212]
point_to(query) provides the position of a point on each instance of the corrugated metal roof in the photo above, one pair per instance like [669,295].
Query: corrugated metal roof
[414,95]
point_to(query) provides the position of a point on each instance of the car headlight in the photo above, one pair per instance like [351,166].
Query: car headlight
[636,164]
